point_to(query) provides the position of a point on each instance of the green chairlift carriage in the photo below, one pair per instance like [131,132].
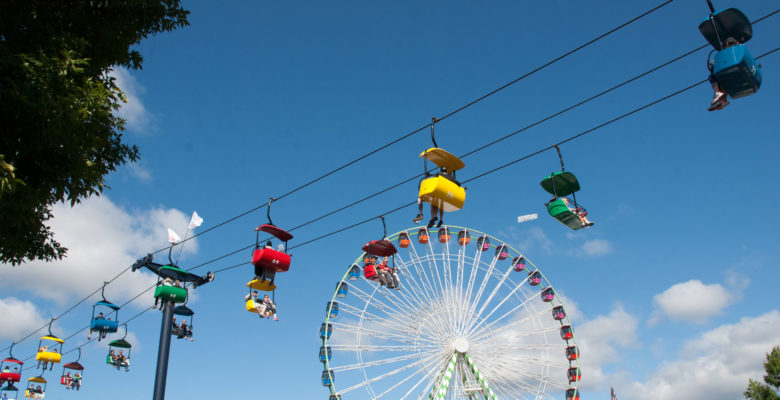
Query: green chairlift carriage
[560,207]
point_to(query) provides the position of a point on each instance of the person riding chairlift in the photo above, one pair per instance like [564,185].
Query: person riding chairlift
[720,97]
[268,273]
[434,210]
[390,275]
[578,211]
[270,308]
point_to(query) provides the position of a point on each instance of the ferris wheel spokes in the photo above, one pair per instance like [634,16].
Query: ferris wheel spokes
[387,374]
[528,299]
[396,344]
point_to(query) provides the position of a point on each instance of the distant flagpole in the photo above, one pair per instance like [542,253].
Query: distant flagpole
[195,221]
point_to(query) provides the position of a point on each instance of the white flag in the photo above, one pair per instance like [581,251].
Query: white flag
[195,221]
[528,217]
[172,236]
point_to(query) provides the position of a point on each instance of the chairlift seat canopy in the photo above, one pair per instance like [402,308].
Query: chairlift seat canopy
[277,232]
[37,379]
[12,360]
[9,387]
[443,158]
[121,343]
[728,23]
[270,259]
[74,366]
[183,310]
[175,273]
[380,248]
[442,193]
[107,304]
[171,293]
[736,71]
[261,284]
[54,338]
[560,184]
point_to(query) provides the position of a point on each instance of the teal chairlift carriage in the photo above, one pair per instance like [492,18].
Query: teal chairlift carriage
[560,207]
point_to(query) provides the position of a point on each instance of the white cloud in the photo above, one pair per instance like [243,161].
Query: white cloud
[597,247]
[600,341]
[137,117]
[139,172]
[102,240]
[691,301]
[530,239]
[25,317]
[717,364]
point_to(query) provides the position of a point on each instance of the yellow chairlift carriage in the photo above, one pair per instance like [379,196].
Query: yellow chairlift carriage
[441,190]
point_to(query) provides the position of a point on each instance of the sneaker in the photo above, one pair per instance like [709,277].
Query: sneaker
[417,219]
[441,222]
[720,101]
[275,318]
[432,222]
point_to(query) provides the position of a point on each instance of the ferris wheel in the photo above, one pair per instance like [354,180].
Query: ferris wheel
[453,314]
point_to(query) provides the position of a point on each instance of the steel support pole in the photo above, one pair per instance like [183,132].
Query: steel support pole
[164,350]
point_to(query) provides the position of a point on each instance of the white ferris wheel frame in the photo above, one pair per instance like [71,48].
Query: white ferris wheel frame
[428,279]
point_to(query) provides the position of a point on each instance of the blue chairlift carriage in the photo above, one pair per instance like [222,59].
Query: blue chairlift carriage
[732,66]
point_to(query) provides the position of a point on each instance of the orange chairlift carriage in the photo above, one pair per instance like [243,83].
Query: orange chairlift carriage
[441,190]
[267,260]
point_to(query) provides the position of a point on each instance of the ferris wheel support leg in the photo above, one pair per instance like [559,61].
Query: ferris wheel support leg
[486,390]
[164,351]
[443,382]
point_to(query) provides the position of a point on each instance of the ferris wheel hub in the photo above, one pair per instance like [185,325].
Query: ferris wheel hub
[460,345]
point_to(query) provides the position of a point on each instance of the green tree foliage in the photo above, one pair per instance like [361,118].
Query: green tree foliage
[59,132]
[767,390]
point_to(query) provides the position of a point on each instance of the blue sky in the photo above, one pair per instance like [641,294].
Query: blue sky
[671,293]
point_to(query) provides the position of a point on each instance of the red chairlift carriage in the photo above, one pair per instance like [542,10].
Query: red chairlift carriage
[380,271]
[267,260]
[11,371]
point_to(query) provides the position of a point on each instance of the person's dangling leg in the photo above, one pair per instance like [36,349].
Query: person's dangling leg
[434,212]
[719,97]
[419,216]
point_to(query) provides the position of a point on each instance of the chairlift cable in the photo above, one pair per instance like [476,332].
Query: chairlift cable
[463,156]
[451,113]
[569,139]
